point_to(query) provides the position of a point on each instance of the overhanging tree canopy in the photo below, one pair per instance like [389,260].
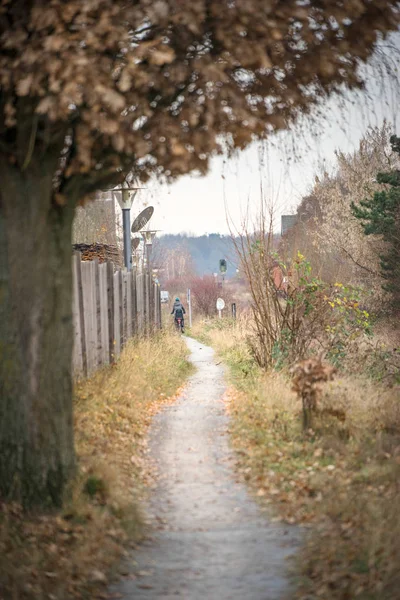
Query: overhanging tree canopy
[93,89]
[157,83]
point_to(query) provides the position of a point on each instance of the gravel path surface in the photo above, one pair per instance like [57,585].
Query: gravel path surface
[210,540]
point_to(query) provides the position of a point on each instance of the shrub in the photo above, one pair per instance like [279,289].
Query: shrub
[205,292]
[295,313]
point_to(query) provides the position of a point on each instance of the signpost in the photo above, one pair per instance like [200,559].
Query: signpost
[220,306]
[233,306]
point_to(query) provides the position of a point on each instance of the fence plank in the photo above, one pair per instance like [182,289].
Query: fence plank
[77,357]
[147,288]
[117,314]
[124,283]
[104,332]
[121,309]
[140,303]
[154,305]
[128,292]
[110,307]
[82,329]
[89,307]
[159,308]
[135,326]
[97,307]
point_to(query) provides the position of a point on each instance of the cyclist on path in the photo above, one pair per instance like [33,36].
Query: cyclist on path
[178,310]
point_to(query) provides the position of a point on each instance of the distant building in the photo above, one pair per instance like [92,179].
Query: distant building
[287,222]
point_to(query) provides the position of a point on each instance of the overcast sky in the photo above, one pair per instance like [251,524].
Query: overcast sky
[198,205]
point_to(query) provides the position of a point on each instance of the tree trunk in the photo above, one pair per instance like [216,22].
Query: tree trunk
[36,339]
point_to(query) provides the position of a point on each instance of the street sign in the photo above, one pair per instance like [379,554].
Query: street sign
[220,304]
[142,219]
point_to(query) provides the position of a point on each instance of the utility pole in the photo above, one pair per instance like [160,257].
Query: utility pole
[125,196]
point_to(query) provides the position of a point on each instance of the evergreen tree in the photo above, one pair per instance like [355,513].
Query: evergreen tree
[380,215]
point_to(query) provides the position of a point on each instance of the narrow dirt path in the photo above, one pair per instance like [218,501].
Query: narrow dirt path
[210,540]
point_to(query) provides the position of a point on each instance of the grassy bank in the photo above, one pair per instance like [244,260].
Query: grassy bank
[341,480]
[73,553]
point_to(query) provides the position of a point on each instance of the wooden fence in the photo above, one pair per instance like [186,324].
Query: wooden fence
[109,307]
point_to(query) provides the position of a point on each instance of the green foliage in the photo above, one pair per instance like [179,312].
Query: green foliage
[319,316]
[380,215]
[348,320]
[94,485]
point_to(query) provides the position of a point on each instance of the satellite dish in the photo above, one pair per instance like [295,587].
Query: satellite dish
[142,219]
[135,243]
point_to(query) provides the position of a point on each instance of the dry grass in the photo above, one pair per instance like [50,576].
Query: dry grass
[73,553]
[342,479]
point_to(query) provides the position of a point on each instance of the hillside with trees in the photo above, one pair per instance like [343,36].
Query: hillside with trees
[204,251]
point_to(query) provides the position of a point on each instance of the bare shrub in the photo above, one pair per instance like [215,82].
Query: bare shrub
[294,312]
[205,292]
